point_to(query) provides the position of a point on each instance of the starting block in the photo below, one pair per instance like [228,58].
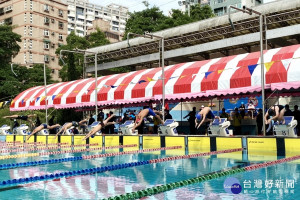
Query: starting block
[286,130]
[44,132]
[4,130]
[90,127]
[22,130]
[168,128]
[69,131]
[219,128]
[126,128]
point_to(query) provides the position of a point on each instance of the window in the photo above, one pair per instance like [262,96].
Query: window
[25,4]
[30,57]
[31,4]
[25,30]
[46,8]
[30,30]
[46,20]
[46,32]
[60,12]
[46,58]
[60,25]
[46,45]
[25,45]
[60,37]
[30,44]
[25,17]
[31,18]
[25,60]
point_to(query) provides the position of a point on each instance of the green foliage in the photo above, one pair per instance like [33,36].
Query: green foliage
[97,39]
[8,43]
[72,70]
[10,85]
[152,19]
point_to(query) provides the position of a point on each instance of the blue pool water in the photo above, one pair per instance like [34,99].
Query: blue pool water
[275,182]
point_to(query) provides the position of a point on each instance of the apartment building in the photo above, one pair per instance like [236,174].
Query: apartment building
[220,7]
[81,15]
[105,27]
[43,27]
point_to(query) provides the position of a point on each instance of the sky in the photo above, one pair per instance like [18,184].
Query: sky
[137,5]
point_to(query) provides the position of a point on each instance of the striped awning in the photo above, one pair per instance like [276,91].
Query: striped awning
[239,74]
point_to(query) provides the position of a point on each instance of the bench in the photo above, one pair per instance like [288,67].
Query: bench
[219,127]
[168,128]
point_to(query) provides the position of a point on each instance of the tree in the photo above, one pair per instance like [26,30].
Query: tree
[97,39]
[73,61]
[152,19]
[8,43]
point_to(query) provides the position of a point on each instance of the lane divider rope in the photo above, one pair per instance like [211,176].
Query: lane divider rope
[61,152]
[52,161]
[47,148]
[94,170]
[24,145]
[214,175]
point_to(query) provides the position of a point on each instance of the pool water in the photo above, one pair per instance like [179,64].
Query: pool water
[275,182]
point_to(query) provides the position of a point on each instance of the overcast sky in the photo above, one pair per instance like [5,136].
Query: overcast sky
[137,5]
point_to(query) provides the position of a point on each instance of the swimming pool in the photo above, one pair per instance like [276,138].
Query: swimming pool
[279,181]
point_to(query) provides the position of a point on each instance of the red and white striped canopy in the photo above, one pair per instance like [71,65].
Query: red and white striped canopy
[239,74]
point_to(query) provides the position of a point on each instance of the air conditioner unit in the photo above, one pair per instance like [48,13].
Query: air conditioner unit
[53,45]
[52,58]
[9,8]
[53,33]
[52,20]
[52,8]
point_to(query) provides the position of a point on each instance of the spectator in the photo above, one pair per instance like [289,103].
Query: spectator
[191,120]
[242,110]
[91,120]
[287,112]
[100,115]
[224,114]
[237,120]
[111,127]
[125,118]
[156,122]
[168,115]
[251,109]
[296,115]
[259,121]
[51,120]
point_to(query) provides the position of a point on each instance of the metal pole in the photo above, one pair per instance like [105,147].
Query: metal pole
[189,8]
[163,76]
[262,71]
[45,82]
[96,89]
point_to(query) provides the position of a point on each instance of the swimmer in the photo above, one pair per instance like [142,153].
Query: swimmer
[205,115]
[22,117]
[69,125]
[41,127]
[101,125]
[276,113]
[144,113]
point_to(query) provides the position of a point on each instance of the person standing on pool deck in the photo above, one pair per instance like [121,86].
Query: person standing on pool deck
[205,115]
[41,127]
[22,117]
[101,125]
[69,125]
[144,113]
[276,113]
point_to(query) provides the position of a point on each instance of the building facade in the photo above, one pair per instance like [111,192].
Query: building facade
[104,26]
[42,25]
[220,7]
[81,15]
